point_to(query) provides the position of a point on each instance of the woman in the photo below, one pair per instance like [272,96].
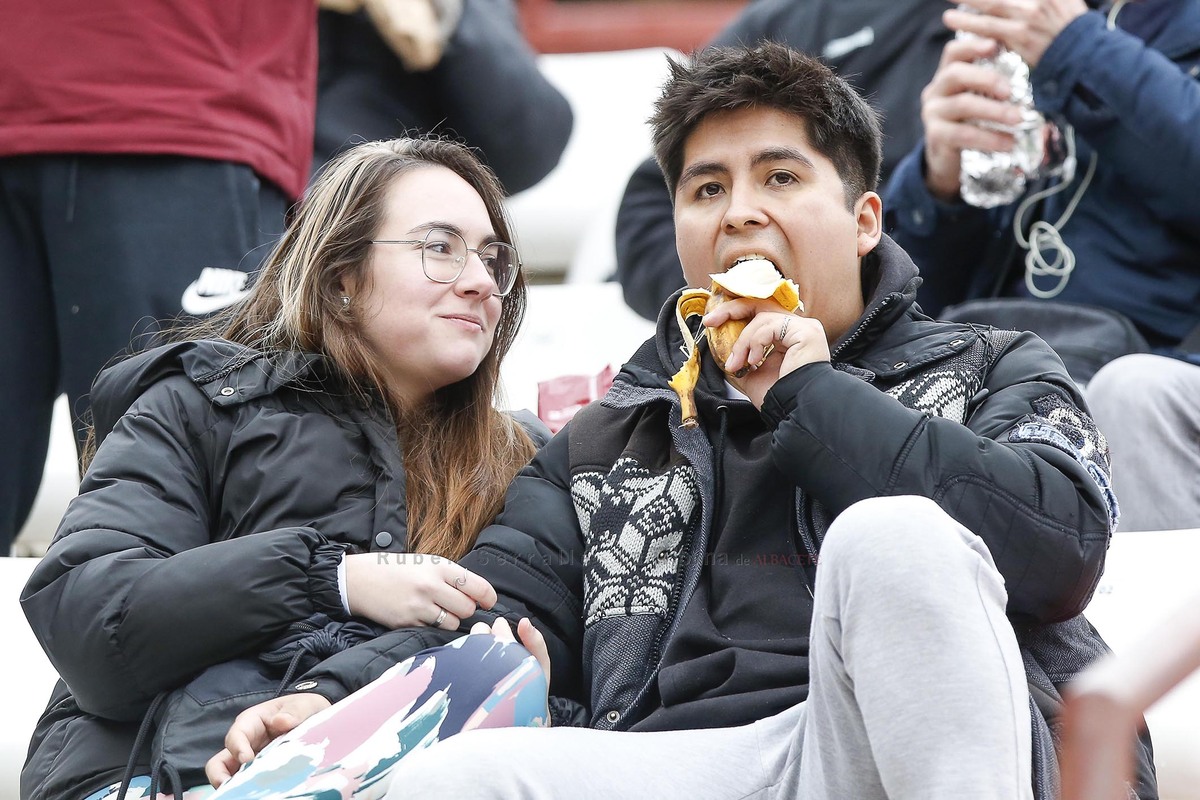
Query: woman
[293,479]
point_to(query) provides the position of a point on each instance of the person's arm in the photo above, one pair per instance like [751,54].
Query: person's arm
[1139,111]
[496,98]
[949,241]
[1104,704]
[1027,473]
[532,555]
[648,266]
[958,248]
[133,597]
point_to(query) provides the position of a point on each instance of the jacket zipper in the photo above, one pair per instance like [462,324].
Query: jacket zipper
[866,323]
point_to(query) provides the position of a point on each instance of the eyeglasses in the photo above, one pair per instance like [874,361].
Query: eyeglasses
[444,257]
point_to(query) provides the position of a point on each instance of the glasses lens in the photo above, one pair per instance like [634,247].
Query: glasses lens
[443,255]
[501,261]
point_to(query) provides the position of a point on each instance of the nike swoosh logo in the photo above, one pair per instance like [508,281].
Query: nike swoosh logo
[836,48]
[215,289]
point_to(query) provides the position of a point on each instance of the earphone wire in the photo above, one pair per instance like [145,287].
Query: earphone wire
[1044,238]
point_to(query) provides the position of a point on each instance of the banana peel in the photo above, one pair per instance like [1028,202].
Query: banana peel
[757,278]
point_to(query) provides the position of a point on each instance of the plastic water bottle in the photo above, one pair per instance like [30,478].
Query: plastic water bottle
[989,179]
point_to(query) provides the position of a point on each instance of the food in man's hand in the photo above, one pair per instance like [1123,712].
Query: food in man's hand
[754,277]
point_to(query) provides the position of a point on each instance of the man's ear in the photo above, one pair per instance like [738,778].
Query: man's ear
[868,211]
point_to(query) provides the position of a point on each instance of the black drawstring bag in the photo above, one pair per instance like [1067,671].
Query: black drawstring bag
[1085,337]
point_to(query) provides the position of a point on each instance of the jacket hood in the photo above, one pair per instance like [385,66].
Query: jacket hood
[227,372]
[890,282]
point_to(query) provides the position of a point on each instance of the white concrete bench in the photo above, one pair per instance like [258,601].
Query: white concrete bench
[1148,574]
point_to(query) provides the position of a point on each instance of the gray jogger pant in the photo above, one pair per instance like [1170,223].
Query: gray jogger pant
[917,690]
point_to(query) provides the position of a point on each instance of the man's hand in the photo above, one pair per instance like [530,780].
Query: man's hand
[258,726]
[1027,27]
[960,95]
[411,29]
[531,639]
[774,343]
[403,590]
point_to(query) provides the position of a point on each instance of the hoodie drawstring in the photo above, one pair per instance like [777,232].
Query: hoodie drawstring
[138,743]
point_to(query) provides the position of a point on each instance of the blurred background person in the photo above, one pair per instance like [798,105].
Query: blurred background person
[145,150]
[459,68]
[1121,80]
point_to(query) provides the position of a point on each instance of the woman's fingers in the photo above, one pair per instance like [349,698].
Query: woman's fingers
[455,603]
[407,589]
[248,733]
[468,583]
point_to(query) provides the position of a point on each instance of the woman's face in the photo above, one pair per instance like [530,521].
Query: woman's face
[428,335]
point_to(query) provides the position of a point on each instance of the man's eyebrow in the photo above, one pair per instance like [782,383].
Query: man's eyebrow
[702,168]
[782,154]
[762,157]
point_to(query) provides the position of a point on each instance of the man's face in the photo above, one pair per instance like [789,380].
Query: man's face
[752,184]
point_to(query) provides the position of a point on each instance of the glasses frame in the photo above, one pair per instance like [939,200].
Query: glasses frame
[500,291]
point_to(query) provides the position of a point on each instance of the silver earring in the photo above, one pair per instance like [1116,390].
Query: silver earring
[345,303]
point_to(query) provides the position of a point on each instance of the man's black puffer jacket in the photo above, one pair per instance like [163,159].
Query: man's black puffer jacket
[604,535]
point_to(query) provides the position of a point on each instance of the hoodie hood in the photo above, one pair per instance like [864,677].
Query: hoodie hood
[227,372]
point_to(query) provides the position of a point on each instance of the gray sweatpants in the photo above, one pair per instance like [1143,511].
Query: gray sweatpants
[1148,407]
[917,690]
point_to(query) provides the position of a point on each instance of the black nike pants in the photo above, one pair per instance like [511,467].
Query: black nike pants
[96,252]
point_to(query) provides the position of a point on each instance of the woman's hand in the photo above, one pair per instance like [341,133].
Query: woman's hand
[401,590]
[773,343]
[258,726]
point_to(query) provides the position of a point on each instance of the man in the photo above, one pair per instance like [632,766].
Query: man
[1123,78]
[459,68]
[946,480]
[147,152]
[887,49]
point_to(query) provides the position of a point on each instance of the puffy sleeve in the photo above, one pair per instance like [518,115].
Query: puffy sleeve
[135,595]
[1028,472]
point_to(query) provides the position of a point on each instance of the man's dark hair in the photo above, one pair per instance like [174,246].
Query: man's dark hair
[840,124]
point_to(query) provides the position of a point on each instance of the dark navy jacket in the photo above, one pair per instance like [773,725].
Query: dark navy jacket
[1136,232]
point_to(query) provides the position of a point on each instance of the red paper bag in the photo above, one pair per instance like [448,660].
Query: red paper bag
[559,398]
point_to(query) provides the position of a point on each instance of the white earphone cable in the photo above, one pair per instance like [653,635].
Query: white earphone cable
[1046,252]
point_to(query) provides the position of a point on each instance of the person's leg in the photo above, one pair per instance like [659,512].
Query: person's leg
[28,346]
[351,748]
[917,687]
[1147,408]
[743,763]
[127,235]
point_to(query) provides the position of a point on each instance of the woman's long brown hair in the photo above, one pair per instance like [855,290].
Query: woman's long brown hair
[459,452]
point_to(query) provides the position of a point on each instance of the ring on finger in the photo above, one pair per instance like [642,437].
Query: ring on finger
[766,354]
[783,328]
[441,617]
